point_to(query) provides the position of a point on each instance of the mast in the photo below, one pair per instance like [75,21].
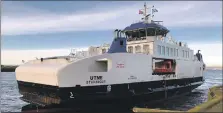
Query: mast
[148,17]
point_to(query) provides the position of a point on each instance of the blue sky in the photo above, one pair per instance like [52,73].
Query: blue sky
[44,25]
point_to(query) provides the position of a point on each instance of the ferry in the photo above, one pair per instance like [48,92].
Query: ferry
[141,60]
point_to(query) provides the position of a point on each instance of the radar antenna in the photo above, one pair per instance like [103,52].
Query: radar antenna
[148,17]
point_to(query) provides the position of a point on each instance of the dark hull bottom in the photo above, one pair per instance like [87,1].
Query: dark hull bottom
[43,95]
[149,97]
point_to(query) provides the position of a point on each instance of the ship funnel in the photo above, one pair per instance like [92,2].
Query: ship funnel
[119,43]
[119,33]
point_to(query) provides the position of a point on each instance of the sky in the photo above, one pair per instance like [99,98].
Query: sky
[32,29]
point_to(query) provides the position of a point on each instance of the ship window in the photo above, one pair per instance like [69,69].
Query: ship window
[129,34]
[188,54]
[142,33]
[121,42]
[157,32]
[160,32]
[138,49]
[177,52]
[174,52]
[135,34]
[167,51]
[159,49]
[171,52]
[163,50]
[146,48]
[130,49]
[183,52]
[150,32]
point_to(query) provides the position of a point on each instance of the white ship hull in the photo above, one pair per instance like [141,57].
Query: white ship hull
[104,76]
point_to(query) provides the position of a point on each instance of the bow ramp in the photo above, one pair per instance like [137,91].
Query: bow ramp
[41,71]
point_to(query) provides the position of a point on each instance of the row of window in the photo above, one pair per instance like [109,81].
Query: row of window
[144,32]
[185,53]
[138,49]
[162,50]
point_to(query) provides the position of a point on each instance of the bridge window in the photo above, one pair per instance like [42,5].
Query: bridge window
[132,34]
[138,49]
[159,49]
[142,33]
[167,51]
[146,48]
[150,32]
[128,34]
[130,49]
[160,32]
[135,34]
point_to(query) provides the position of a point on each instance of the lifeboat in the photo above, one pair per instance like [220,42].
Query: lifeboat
[161,70]
[165,68]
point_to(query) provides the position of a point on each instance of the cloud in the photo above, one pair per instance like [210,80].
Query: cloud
[212,53]
[174,14]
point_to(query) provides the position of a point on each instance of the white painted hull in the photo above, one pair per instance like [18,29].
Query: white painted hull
[136,68]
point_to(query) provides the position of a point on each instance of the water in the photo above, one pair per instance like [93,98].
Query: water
[10,101]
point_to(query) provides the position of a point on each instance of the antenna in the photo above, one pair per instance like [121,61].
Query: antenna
[148,17]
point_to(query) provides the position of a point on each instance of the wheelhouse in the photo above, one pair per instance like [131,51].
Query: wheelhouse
[139,31]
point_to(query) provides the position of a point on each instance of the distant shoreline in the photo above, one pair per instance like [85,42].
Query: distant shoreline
[212,67]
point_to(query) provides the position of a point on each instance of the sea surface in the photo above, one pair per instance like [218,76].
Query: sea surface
[10,97]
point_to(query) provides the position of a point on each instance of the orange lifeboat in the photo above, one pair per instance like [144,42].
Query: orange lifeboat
[165,68]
